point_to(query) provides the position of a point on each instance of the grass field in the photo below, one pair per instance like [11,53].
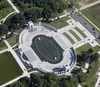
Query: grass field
[75,35]
[9,69]
[80,32]
[47,49]
[5,8]
[92,76]
[69,38]
[13,40]
[86,47]
[59,23]
[2,46]
[93,13]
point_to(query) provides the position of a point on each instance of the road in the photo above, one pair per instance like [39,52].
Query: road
[84,22]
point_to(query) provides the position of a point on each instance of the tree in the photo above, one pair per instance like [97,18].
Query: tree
[90,51]
[94,56]
[51,79]
[3,29]
[81,77]
[35,81]
[33,14]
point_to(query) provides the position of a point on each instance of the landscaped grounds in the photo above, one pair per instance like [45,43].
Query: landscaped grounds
[5,8]
[91,76]
[81,32]
[2,46]
[86,47]
[59,23]
[9,69]
[75,35]
[13,39]
[93,13]
[69,38]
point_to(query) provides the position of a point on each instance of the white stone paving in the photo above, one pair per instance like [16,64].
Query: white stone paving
[72,36]
[80,36]
[66,40]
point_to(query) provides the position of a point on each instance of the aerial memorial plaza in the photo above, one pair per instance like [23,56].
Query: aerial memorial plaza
[43,48]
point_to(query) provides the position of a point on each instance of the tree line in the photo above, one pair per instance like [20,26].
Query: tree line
[46,80]
[32,10]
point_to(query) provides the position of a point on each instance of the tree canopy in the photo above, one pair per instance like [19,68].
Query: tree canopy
[47,80]
[33,10]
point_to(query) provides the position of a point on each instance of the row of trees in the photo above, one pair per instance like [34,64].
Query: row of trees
[47,80]
[35,9]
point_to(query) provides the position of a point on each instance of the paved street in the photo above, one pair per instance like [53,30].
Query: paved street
[88,26]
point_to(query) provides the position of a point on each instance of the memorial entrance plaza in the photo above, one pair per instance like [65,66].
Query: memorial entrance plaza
[45,49]
[49,50]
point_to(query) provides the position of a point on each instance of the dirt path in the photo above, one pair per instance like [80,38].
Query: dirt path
[89,5]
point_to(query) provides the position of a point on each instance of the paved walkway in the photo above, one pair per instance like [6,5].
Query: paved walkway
[4,19]
[98,80]
[84,23]
[80,36]
[9,1]
[12,81]
[79,85]
[17,59]
[89,5]
[14,7]
[71,35]
[3,51]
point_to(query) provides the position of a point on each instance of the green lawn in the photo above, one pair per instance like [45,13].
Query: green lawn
[75,35]
[92,76]
[9,69]
[69,38]
[76,28]
[6,9]
[31,69]
[86,47]
[13,40]
[59,23]
[2,46]
[93,13]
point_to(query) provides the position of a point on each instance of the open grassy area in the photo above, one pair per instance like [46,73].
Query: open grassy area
[75,35]
[2,46]
[70,39]
[76,28]
[93,13]
[9,69]
[13,40]
[59,23]
[92,76]
[86,47]
[5,8]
